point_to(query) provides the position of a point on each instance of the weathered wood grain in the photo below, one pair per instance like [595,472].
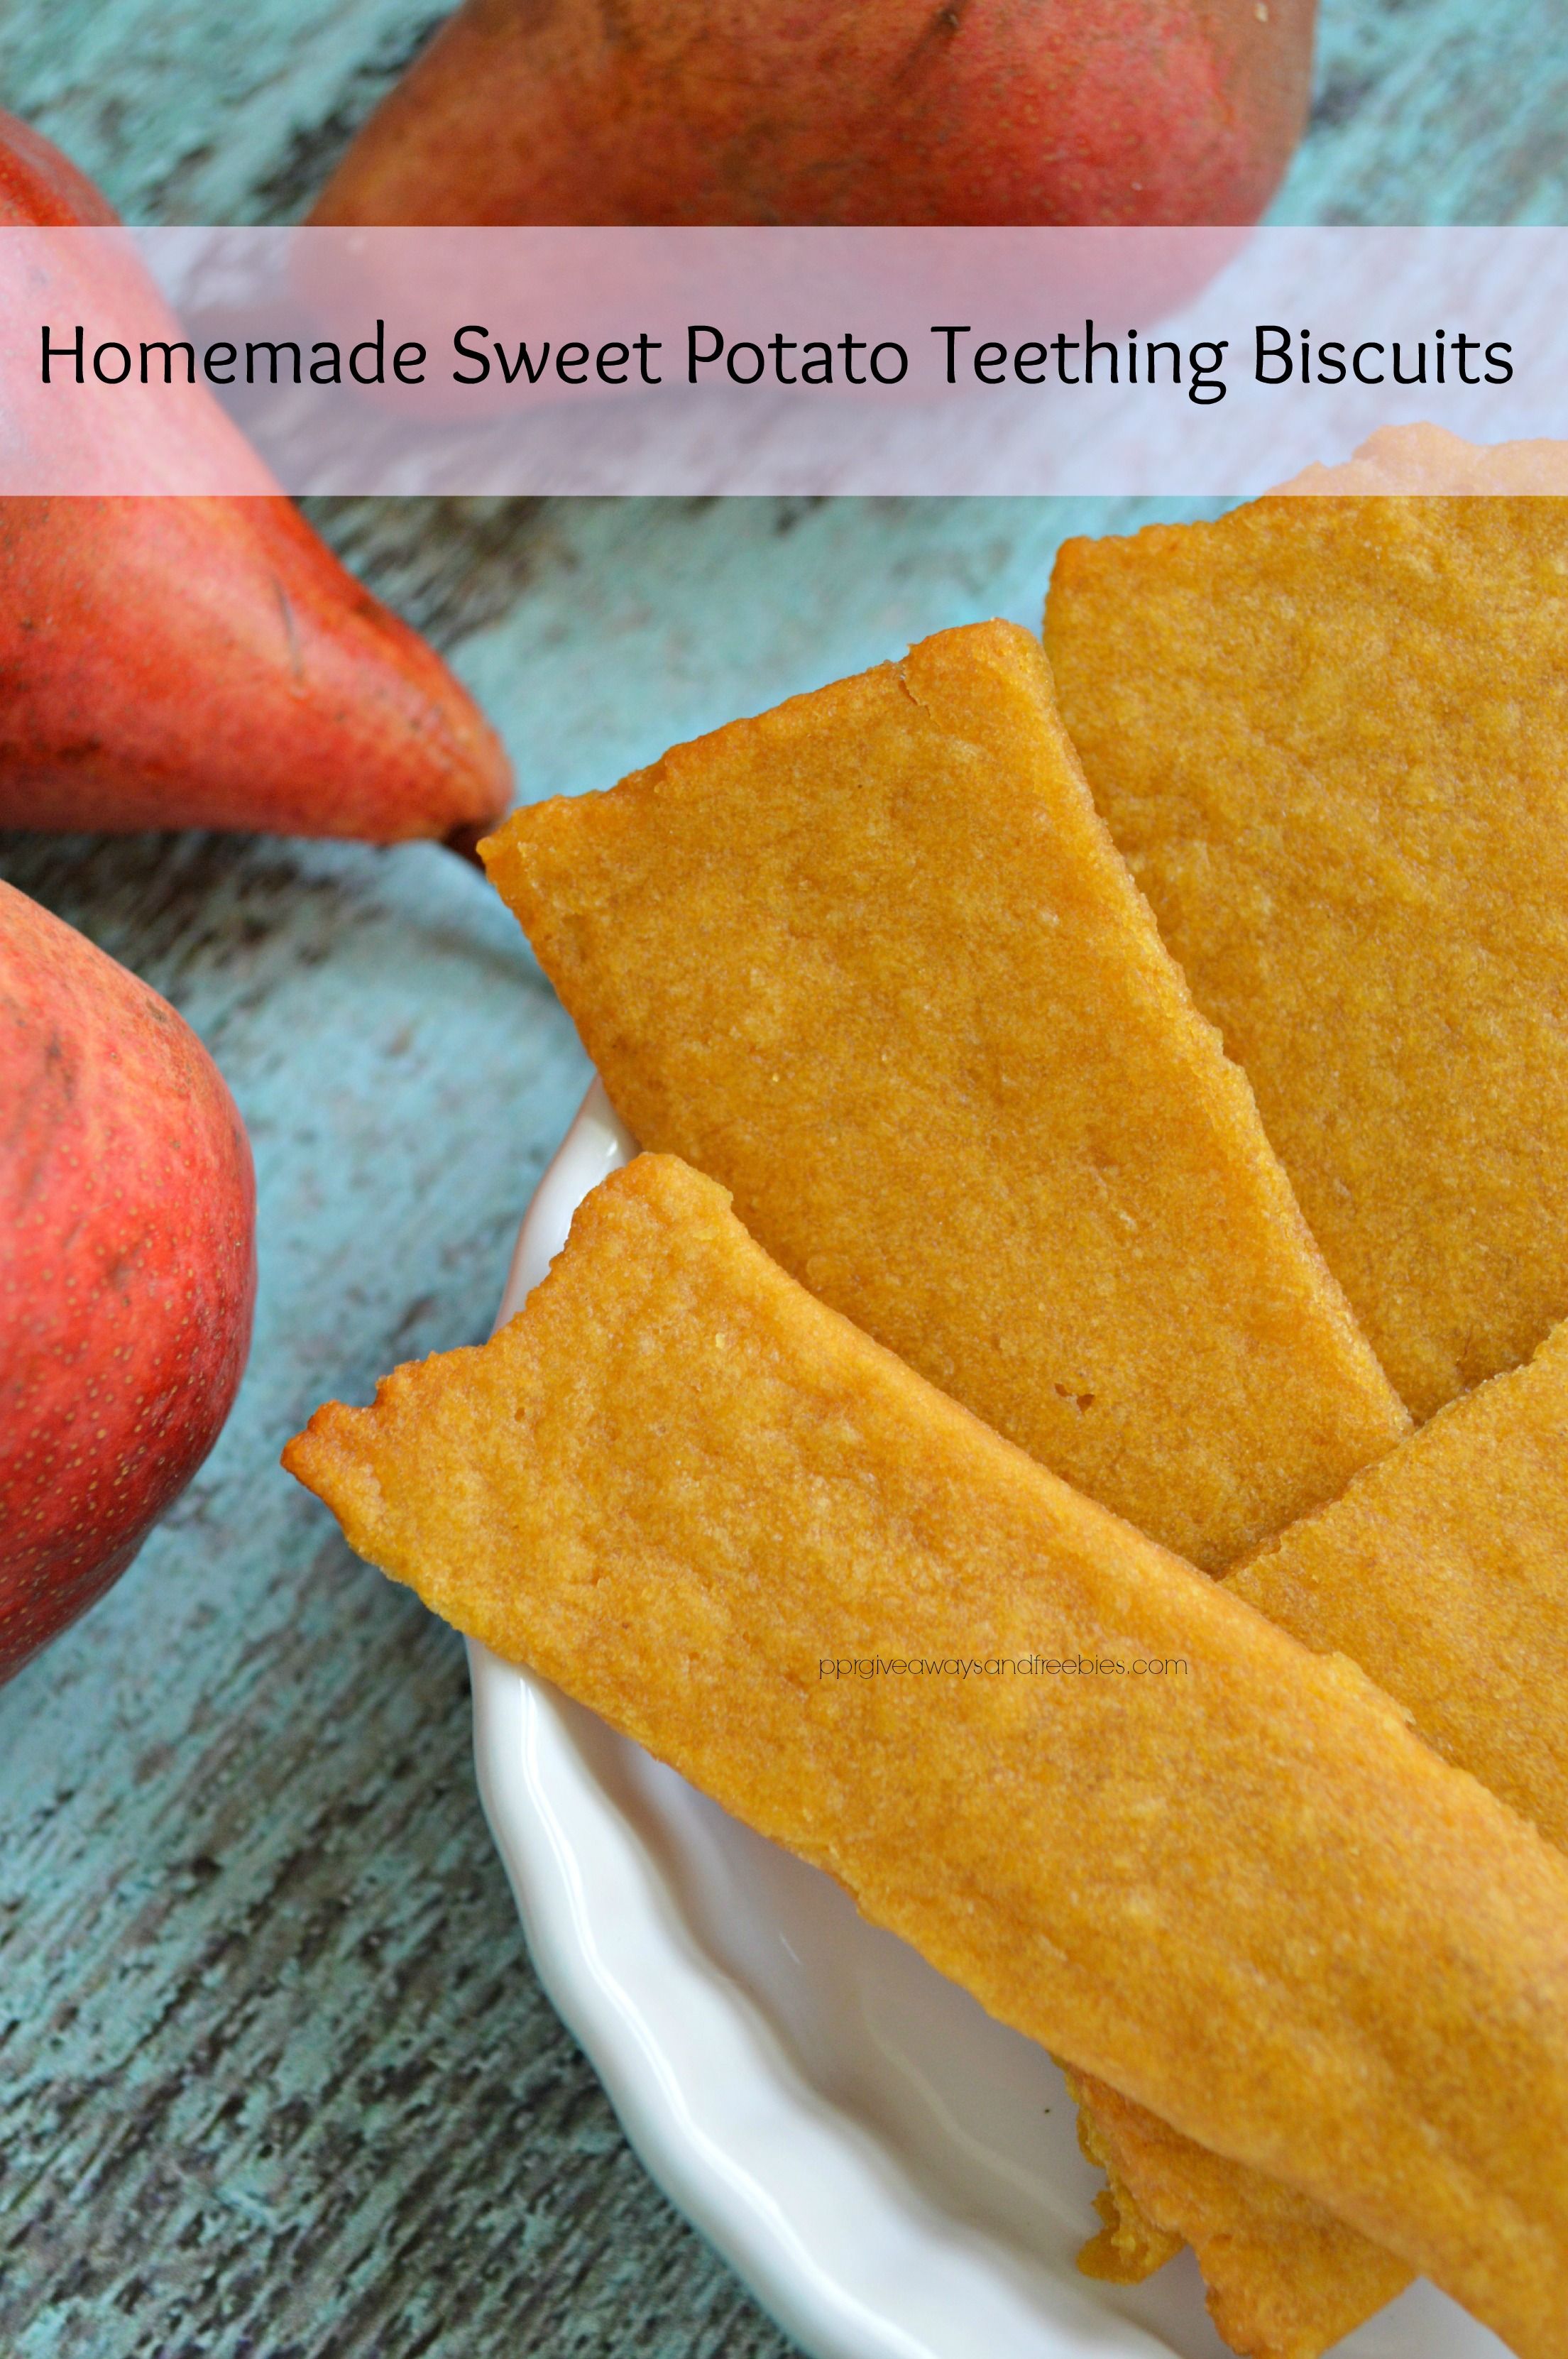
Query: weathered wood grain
[275,2079]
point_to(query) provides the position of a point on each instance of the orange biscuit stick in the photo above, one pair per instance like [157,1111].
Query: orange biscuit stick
[1331,736]
[1442,1572]
[872,962]
[1326,734]
[1248,1896]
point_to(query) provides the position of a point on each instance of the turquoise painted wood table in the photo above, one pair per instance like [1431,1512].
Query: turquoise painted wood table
[278,2080]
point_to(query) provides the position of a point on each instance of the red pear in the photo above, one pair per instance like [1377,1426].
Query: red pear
[127,1267]
[207,662]
[996,112]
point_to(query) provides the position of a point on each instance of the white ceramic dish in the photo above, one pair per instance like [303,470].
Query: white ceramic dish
[895,2175]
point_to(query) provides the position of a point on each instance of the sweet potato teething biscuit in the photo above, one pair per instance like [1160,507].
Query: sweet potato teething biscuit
[1246,1896]
[1443,1572]
[1332,738]
[1239,2223]
[872,962]
[1431,459]
[1255,683]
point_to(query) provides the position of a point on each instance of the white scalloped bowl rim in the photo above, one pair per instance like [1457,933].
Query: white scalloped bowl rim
[893,2174]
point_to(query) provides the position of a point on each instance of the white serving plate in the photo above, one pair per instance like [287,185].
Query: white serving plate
[895,2175]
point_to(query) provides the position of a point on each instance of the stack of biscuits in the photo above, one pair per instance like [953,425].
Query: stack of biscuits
[1105,1114]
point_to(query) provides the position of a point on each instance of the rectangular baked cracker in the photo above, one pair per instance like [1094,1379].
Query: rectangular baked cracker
[1331,736]
[1443,1572]
[872,962]
[1254,702]
[1249,1897]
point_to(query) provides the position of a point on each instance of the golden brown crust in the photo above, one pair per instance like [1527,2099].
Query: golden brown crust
[1330,741]
[1129,2246]
[1247,1896]
[1238,2223]
[1331,736]
[872,962]
[1443,1572]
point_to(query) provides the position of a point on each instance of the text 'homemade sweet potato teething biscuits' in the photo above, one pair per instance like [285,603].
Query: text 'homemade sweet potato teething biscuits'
[872,962]
[1247,1896]
[1331,736]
